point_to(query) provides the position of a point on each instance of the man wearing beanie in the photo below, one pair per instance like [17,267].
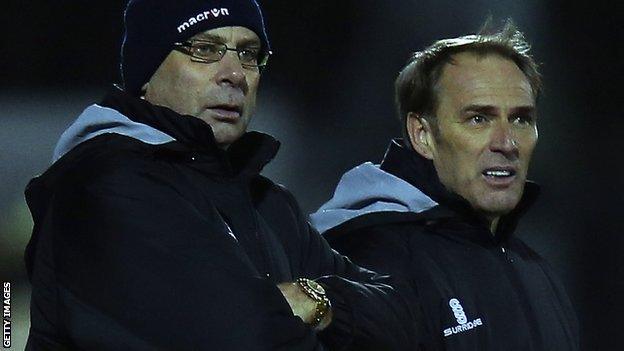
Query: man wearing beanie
[153,228]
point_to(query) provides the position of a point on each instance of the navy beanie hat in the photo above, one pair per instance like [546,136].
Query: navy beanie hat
[152,26]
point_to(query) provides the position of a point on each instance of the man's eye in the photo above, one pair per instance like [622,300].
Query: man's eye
[248,55]
[206,49]
[523,120]
[477,119]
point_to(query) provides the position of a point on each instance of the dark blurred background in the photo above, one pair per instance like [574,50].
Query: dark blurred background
[327,96]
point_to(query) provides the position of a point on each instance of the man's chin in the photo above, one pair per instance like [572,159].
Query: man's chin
[498,203]
[224,136]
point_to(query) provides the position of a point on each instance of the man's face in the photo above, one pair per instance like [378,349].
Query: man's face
[222,94]
[486,131]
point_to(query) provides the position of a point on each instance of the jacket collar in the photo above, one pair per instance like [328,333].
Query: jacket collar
[245,157]
[421,173]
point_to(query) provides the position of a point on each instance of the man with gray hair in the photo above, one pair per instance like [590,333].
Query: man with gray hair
[440,210]
[153,228]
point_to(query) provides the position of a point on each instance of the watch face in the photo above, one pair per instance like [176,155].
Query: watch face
[316,287]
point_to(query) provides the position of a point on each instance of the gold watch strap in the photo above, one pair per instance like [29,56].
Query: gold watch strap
[316,292]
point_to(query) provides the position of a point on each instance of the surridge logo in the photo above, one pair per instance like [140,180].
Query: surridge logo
[462,319]
[214,13]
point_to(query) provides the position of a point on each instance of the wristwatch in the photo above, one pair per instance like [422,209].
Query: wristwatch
[316,292]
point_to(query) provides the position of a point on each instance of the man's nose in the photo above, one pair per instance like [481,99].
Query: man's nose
[231,72]
[503,140]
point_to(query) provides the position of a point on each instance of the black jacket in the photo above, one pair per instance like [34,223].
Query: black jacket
[471,290]
[148,236]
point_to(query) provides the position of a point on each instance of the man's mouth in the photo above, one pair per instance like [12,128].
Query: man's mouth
[499,173]
[499,176]
[226,113]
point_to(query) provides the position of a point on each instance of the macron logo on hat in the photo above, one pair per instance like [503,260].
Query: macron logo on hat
[202,17]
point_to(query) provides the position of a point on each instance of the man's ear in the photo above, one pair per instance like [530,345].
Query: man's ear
[420,134]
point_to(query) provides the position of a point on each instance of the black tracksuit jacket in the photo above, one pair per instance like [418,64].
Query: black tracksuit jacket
[179,245]
[470,290]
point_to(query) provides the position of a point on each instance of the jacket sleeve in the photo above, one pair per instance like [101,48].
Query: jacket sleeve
[368,313]
[137,267]
[388,252]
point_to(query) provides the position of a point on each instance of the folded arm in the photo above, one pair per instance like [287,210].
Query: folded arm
[137,266]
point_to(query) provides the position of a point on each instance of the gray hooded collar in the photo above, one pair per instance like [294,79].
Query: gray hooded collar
[96,120]
[368,189]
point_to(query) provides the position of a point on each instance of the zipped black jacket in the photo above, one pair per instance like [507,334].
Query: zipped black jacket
[148,236]
[470,290]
